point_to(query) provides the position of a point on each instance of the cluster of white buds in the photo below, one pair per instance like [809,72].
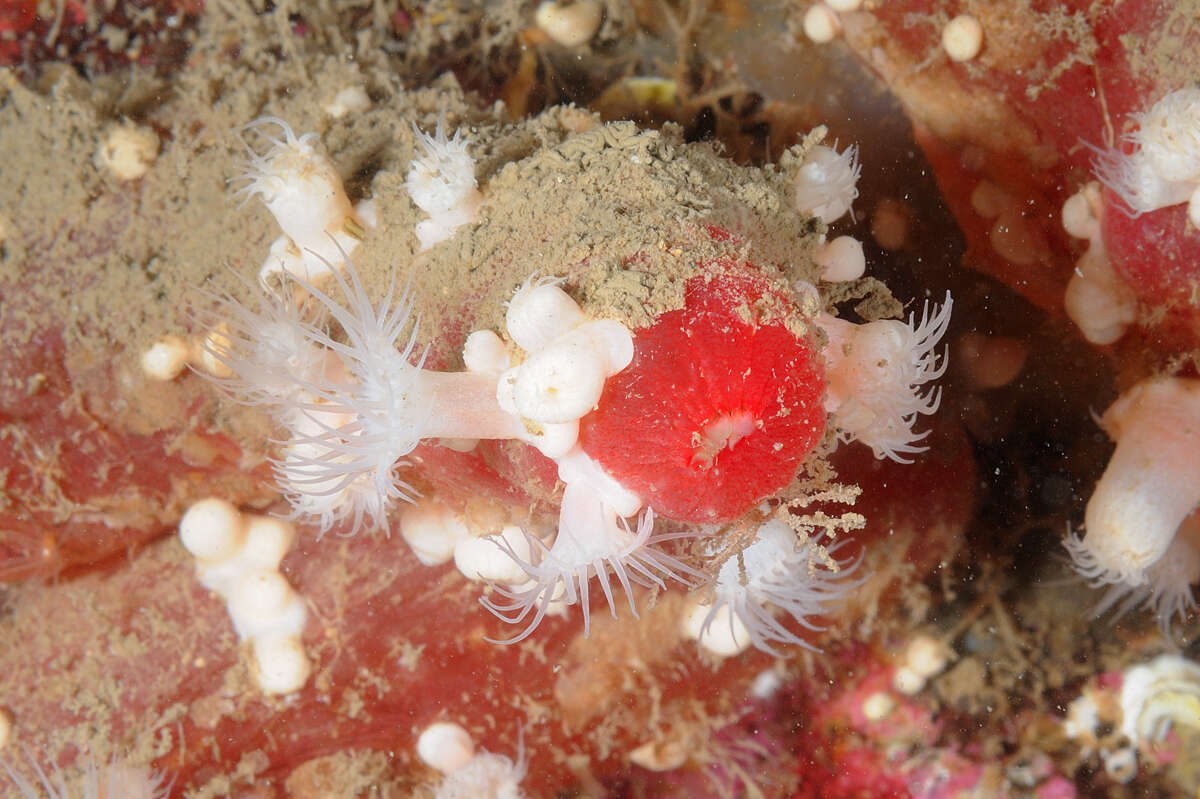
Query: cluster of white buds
[237,557]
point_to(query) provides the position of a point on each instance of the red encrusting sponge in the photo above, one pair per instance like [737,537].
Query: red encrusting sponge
[719,407]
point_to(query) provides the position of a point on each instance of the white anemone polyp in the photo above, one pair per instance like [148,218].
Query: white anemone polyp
[826,183]
[778,573]
[1151,483]
[116,778]
[301,188]
[592,541]
[1163,168]
[441,182]
[353,404]
[1167,592]
[876,376]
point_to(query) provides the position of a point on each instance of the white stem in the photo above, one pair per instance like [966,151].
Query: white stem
[464,406]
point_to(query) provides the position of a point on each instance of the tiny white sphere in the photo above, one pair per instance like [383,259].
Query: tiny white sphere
[212,529]
[128,151]
[283,667]
[431,531]
[926,655]
[842,259]
[907,682]
[962,38]
[877,706]
[821,24]
[445,746]
[570,24]
[166,358]
[539,315]
[484,352]
[483,559]
[725,636]
[561,383]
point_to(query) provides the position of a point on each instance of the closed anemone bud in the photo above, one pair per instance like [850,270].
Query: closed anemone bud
[267,541]
[282,665]
[432,531]
[445,746]
[540,312]
[826,183]
[821,24]
[1151,484]
[258,599]
[166,358]
[561,382]
[212,529]
[484,352]
[570,24]
[842,259]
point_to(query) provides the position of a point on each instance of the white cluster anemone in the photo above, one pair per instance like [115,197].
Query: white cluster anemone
[594,539]
[442,184]
[775,574]
[115,779]
[354,402]
[1168,591]
[1150,486]
[569,358]
[303,191]
[826,184]
[1164,167]
[877,372]
[353,405]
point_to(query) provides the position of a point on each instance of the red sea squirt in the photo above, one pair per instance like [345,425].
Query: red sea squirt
[721,404]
